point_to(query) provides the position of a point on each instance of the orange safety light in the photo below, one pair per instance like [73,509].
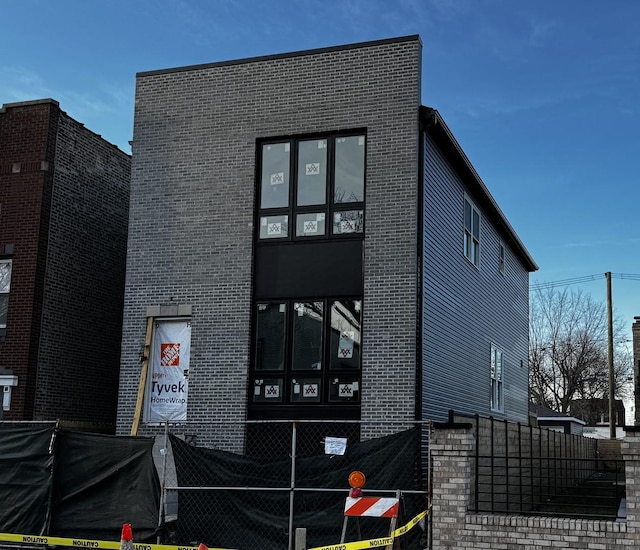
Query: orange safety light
[357,479]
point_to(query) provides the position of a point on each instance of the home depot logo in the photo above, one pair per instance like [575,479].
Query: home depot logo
[170,355]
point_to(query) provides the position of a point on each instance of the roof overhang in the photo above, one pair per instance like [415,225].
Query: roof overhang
[432,123]
[562,419]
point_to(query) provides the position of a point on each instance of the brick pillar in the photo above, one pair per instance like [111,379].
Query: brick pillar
[451,451]
[630,447]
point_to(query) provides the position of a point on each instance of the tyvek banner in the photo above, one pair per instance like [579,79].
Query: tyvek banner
[168,390]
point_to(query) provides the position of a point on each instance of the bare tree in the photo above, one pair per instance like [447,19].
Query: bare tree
[568,350]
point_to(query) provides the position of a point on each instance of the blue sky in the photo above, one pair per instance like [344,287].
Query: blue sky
[543,96]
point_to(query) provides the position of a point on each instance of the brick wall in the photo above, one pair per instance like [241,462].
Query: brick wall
[78,365]
[27,143]
[192,209]
[64,207]
[454,527]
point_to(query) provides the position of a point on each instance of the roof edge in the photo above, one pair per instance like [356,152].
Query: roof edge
[28,103]
[433,123]
[562,419]
[315,51]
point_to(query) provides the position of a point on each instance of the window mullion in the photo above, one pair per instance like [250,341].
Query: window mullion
[293,192]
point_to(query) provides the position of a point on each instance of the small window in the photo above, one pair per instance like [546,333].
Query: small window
[274,227]
[5,287]
[267,390]
[275,175]
[311,224]
[349,169]
[307,335]
[270,337]
[471,232]
[312,172]
[501,259]
[348,221]
[345,334]
[497,374]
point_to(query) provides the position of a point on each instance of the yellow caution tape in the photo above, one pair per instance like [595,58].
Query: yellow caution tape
[371,543]
[111,545]
[83,543]
[374,543]
[402,530]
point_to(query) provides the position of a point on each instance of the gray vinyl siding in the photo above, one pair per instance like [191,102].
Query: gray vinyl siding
[467,309]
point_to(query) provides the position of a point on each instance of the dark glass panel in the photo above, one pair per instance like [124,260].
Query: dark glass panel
[349,169]
[312,172]
[307,335]
[346,334]
[275,175]
[270,336]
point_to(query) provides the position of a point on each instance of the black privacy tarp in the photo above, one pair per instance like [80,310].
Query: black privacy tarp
[102,482]
[254,518]
[78,485]
[25,478]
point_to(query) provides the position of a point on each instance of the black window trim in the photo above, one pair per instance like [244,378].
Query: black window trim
[325,373]
[329,208]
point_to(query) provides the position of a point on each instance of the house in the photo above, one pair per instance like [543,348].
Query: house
[547,418]
[595,412]
[64,197]
[306,241]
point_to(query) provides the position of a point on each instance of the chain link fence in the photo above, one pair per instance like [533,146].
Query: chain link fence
[291,475]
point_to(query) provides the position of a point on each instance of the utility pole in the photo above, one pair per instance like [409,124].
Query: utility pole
[612,418]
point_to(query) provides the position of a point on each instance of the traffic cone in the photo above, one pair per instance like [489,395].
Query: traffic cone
[203,546]
[126,539]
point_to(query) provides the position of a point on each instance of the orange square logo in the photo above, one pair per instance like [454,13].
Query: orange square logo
[170,355]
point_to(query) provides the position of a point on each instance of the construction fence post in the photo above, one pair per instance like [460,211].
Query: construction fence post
[301,538]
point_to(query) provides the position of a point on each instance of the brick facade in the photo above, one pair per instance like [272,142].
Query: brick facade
[192,211]
[64,210]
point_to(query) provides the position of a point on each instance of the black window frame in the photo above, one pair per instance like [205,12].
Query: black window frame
[330,208]
[472,240]
[260,378]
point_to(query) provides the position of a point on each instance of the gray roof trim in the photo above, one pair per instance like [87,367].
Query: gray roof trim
[561,419]
[433,123]
[409,38]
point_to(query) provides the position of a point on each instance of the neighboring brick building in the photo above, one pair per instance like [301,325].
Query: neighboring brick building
[321,243]
[64,198]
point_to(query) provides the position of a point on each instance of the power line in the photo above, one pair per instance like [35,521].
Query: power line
[632,276]
[583,279]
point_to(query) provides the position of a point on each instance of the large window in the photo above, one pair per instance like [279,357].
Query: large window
[312,187]
[497,373]
[5,287]
[307,352]
[471,232]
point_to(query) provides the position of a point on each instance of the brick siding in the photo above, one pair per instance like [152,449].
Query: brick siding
[66,213]
[192,211]
[454,527]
